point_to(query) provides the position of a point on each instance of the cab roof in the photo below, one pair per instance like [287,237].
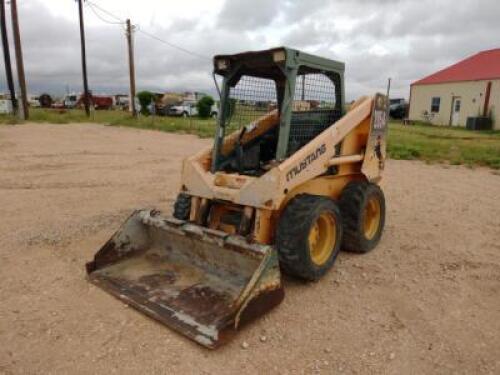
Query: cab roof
[270,62]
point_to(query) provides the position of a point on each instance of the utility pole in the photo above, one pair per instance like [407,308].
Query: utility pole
[131,67]
[19,60]
[84,61]
[6,56]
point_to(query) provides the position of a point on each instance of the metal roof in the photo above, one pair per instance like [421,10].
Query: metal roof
[481,66]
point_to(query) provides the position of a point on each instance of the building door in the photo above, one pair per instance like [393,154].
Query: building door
[455,111]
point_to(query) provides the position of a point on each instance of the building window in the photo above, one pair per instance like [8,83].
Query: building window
[436,101]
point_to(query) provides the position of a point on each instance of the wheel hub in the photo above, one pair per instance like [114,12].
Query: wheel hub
[322,237]
[372,217]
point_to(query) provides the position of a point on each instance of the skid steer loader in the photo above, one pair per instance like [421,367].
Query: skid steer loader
[290,180]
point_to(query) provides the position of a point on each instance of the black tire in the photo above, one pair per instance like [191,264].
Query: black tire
[353,202]
[294,227]
[182,207]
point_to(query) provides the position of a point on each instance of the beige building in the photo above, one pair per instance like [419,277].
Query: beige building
[470,88]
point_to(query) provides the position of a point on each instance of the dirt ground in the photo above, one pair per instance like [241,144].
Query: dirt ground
[427,300]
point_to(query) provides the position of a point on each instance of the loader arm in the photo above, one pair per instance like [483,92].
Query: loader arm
[354,131]
[314,158]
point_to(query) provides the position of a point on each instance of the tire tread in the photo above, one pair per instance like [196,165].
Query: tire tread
[292,235]
[352,201]
[182,207]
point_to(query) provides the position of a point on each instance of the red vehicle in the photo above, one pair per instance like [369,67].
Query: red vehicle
[98,101]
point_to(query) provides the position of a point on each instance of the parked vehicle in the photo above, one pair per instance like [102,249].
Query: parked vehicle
[97,101]
[45,100]
[398,108]
[70,101]
[122,101]
[33,101]
[163,110]
[58,105]
[185,109]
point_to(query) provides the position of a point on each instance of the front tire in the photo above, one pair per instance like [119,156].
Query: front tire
[309,236]
[363,210]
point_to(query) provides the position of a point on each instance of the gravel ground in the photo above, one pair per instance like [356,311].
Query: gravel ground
[427,300]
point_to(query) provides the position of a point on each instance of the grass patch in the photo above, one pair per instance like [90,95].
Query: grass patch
[201,127]
[456,146]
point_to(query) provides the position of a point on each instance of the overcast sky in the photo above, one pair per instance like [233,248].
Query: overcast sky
[402,39]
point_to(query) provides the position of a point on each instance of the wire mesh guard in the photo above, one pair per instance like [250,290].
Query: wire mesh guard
[313,109]
[251,98]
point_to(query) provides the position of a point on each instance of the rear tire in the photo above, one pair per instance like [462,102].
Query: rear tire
[309,236]
[182,207]
[363,212]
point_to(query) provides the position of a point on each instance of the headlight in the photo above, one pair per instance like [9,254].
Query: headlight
[279,56]
[222,64]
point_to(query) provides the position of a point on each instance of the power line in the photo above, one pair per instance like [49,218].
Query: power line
[174,45]
[93,5]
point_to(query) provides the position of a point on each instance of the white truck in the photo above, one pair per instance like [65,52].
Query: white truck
[70,100]
[188,109]
[185,109]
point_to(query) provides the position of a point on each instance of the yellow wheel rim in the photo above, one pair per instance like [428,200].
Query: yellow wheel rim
[372,217]
[322,237]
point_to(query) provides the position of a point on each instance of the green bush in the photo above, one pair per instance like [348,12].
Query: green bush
[204,106]
[145,99]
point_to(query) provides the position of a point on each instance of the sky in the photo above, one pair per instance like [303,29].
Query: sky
[377,39]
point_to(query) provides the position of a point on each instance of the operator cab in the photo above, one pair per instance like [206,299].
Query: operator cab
[277,100]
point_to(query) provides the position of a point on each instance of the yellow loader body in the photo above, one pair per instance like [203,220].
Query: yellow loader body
[220,266]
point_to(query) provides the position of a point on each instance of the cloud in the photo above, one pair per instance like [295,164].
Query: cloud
[248,15]
[52,57]
[402,39]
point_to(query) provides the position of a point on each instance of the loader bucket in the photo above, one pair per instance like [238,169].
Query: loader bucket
[201,282]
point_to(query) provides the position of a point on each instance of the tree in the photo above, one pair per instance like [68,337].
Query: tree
[145,99]
[204,106]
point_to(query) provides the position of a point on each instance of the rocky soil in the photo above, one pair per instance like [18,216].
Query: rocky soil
[426,301]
